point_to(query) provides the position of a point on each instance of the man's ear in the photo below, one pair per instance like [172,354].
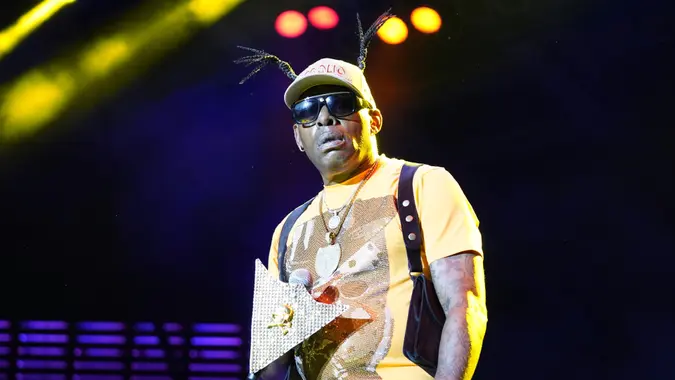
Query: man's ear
[296,135]
[375,121]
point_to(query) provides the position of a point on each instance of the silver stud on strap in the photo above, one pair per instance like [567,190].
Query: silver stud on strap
[409,218]
[412,236]
[406,203]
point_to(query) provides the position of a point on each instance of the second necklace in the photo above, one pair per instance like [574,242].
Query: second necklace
[328,257]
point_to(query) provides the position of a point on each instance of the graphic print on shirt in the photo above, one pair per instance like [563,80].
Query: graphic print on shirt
[352,345]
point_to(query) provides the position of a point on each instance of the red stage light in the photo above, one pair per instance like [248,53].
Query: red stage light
[323,17]
[291,24]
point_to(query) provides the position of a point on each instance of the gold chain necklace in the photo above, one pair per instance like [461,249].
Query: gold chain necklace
[328,257]
[334,220]
[333,229]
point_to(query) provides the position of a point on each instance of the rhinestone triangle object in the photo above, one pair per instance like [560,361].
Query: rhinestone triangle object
[284,315]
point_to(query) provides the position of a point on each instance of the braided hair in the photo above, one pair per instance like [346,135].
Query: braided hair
[365,38]
[263,58]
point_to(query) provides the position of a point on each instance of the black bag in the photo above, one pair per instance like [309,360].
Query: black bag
[425,315]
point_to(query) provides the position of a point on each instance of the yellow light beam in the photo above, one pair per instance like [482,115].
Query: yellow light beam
[30,21]
[82,79]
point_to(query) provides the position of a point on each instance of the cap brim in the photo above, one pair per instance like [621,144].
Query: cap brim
[297,88]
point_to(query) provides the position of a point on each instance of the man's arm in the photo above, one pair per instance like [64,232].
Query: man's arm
[460,284]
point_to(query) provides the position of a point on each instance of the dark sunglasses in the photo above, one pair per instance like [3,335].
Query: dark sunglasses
[339,104]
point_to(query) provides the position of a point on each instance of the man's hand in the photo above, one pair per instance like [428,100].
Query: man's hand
[460,284]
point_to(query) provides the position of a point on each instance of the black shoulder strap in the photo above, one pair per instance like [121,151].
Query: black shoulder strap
[407,212]
[283,237]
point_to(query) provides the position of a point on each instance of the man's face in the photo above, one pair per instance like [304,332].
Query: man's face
[336,145]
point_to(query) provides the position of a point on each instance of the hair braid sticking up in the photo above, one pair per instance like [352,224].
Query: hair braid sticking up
[263,58]
[365,38]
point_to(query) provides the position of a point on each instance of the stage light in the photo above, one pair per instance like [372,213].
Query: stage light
[426,20]
[323,17]
[209,11]
[102,66]
[394,31]
[291,24]
[37,16]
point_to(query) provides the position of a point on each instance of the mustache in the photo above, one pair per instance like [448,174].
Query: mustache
[330,136]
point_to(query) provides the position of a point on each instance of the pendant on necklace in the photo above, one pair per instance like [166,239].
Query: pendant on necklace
[327,260]
[330,237]
[333,222]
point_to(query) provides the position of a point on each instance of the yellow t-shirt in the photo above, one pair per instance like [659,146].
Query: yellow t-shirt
[366,342]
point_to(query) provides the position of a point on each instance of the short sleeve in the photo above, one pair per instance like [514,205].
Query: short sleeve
[449,224]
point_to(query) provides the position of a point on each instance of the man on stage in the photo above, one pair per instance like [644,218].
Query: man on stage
[351,237]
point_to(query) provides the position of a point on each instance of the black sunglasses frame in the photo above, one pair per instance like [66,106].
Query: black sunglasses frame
[359,104]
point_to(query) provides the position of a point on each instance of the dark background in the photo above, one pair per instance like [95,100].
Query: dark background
[553,115]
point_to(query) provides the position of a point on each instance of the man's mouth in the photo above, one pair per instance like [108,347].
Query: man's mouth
[331,141]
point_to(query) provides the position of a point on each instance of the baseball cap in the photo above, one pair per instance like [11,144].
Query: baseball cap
[329,71]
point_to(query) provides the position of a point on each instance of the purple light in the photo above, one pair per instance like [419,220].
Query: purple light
[43,338]
[103,352]
[145,326]
[44,325]
[201,367]
[142,366]
[149,353]
[215,341]
[50,334]
[110,366]
[101,326]
[213,354]
[98,377]
[146,340]
[216,328]
[173,327]
[176,340]
[101,339]
[40,376]
[42,351]
[41,364]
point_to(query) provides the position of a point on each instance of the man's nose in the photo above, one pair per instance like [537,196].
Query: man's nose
[325,118]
